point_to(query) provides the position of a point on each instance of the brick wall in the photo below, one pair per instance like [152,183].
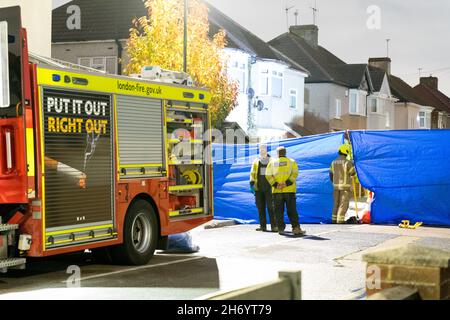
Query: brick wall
[424,269]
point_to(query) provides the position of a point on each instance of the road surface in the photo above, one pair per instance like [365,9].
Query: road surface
[230,257]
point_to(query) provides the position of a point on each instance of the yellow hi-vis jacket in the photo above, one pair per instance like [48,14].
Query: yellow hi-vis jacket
[282,170]
[254,172]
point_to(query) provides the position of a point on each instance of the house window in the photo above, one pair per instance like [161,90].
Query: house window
[373,105]
[441,121]
[353,103]
[362,105]
[338,109]
[277,84]
[388,120]
[237,72]
[264,83]
[293,98]
[107,64]
[424,120]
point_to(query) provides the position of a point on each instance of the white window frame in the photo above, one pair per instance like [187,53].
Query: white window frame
[264,83]
[440,120]
[277,75]
[337,108]
[92,65]
[237,71]
[370,100]
[293,93]
[356,96]
[426,117]
[422,116]
[360,111]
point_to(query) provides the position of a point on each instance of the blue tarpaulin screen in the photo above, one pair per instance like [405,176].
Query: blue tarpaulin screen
[232,164]
[409,173]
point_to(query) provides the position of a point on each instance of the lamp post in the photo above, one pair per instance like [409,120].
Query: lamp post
[185,36]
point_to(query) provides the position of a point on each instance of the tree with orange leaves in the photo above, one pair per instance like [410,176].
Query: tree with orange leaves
[158,40]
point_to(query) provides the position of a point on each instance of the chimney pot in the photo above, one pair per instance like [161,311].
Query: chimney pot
[309,33]
[383,63]
[430,81]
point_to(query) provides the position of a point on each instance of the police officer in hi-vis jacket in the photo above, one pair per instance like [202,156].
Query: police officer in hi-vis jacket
[282,174]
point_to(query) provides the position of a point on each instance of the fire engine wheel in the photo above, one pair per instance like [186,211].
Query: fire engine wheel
[140,235]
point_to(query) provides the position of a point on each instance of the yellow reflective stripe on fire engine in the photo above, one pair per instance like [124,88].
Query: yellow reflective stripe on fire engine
[186,187]
[116,135]
[187,108]
[82,238]
[30,152]
[55,233]
[185,212]
[139,166]
[149,165]
[42,165]
[121,85]
[211,182]
[186,162]
[165,144]
[179,121]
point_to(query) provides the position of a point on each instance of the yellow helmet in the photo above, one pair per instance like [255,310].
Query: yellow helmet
[344,149]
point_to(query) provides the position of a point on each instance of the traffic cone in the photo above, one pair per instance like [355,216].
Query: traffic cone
[366,212]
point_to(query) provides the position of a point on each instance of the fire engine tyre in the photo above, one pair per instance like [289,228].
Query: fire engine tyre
[140,235]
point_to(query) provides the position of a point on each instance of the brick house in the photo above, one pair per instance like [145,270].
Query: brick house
[410,111]
[432,97]
[336,93]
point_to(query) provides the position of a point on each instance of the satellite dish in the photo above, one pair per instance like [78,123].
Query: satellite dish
[251,93]
[260,105]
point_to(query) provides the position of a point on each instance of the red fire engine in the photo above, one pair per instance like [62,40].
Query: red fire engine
[95,161]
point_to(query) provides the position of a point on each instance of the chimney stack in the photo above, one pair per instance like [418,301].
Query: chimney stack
[309,33]
[381,63]
[430,81]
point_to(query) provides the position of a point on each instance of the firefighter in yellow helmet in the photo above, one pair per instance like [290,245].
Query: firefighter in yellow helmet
[341,172]
[282,174]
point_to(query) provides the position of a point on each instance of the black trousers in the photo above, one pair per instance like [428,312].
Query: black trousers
[264,201]
[288,200]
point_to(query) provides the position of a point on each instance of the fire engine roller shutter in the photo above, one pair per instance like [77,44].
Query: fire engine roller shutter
[73,150]
[140,133]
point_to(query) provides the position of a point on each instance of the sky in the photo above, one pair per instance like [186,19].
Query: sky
[355,30]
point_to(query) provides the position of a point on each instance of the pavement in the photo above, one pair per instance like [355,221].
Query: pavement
[230,257]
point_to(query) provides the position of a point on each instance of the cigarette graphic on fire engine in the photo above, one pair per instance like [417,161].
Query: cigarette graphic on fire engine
[68,170]
[78,176]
